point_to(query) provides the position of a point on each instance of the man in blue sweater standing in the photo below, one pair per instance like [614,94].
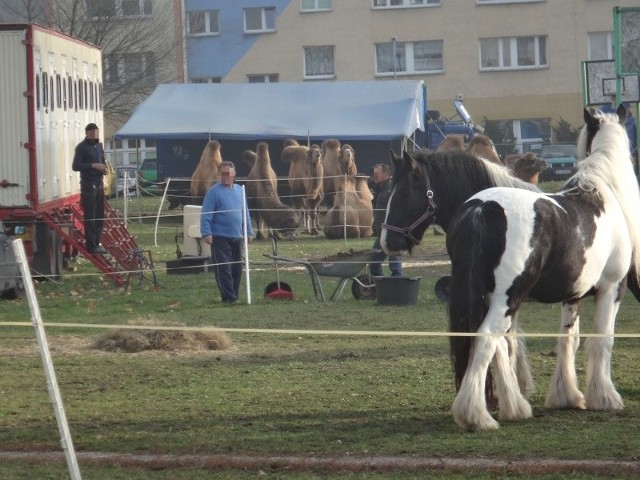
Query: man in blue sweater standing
[221,227]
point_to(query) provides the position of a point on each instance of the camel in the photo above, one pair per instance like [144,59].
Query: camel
[206,172]
[451,143]
[305,181]
[352,211]
[482,146]
[336,162]
[528,167]
[262,196]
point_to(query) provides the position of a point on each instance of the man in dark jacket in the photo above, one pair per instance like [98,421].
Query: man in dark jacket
[381,194]
[89,160]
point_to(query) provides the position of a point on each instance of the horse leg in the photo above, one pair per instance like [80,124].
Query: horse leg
[518,359]
[470,406]
[511,403]
[563,388]
[600,393]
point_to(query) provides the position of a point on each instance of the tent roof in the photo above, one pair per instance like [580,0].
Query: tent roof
[382,110]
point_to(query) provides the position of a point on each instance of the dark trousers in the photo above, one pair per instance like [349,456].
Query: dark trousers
[375,267]
[226,255]
[92,203]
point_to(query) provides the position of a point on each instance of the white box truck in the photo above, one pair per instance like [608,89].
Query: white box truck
[50,89]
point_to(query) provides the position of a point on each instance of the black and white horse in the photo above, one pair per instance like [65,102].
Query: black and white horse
[429,187]
[506,245]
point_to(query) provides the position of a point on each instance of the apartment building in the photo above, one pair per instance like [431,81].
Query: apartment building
[515,63]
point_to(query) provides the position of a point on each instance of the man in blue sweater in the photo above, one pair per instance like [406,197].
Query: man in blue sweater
[221,227]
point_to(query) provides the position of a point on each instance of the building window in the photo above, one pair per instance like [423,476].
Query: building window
[258,20]
[513,53]
[203,22]
[118,8]
[318,62]
[315,5]
[205,79]
[405,3]
[600,45]
[488,2]
[266,78]
[410,57]
[130,68]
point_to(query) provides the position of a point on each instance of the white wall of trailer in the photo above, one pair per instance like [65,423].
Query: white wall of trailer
[66,83]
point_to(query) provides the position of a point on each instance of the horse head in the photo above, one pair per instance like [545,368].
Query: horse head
[411,208]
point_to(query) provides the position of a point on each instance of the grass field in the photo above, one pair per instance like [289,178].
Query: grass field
[309,395]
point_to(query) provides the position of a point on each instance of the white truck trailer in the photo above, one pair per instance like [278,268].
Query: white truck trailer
[50,88]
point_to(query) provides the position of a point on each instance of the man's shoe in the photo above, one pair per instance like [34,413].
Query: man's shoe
[99,250]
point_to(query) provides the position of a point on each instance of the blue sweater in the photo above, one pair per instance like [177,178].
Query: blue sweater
[222,213]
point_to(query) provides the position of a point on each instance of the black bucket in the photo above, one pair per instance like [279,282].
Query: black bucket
[397,290]
[278,291]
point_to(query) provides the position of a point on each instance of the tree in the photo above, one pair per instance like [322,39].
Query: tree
[563,132]
[138,48]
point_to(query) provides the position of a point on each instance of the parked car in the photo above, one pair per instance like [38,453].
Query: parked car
[10,279]
[561,159]
[131,172]
[148,172]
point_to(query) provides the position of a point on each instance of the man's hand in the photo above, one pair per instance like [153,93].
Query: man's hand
[208,239]
[100,167]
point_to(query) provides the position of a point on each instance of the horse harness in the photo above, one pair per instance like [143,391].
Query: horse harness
[427,215]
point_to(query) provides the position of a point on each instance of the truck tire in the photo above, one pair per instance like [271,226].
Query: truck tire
[47,255]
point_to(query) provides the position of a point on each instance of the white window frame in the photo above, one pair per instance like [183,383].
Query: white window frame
[120,13]
[316,6]
[387,4]
[408,48]
[319,76]
[264,77]
[508,50]
[121,71]
[498,2]
[263,20]
[209,28]
[205,80]
[609,47]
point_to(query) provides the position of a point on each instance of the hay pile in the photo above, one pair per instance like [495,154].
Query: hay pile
[133,341]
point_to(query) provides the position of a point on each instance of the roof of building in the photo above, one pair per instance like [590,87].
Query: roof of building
[369,110]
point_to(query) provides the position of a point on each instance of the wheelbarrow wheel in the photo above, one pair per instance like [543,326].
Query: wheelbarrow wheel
[363,288]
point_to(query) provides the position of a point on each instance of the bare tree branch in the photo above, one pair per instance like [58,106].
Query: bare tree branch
[138,50]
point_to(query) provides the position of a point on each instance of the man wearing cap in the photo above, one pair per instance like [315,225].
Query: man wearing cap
[89,160]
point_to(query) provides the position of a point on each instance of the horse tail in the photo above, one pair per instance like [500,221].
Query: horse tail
[633,282]
[475,242]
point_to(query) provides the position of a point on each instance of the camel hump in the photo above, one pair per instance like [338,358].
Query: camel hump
[290,142]
[293,152]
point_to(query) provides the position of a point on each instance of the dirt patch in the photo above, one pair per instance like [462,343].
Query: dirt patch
[288,463]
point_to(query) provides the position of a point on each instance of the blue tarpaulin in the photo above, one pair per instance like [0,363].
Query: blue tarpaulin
[371,110]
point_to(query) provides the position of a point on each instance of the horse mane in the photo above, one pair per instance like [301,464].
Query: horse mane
[609,167]
[464,174]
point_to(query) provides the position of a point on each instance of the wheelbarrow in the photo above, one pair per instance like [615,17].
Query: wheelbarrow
[345,267]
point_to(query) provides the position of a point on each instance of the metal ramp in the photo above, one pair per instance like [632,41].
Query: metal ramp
[124,258]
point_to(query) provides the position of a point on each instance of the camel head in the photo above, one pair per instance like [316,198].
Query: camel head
[314,155]
[347,160]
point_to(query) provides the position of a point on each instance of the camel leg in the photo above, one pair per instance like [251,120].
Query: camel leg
[600,393]
[563,389]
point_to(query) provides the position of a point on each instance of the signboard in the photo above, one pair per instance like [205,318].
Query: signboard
[600,82]
[626,29]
